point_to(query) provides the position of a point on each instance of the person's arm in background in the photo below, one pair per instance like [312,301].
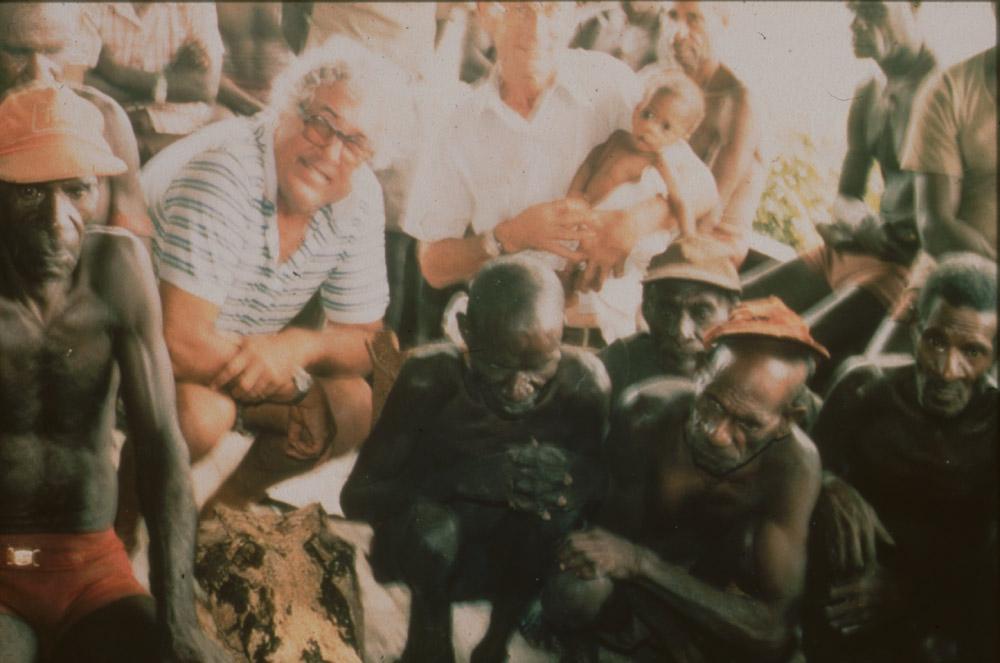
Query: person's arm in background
[192,75]
[941,231]
[933,153]
[162,466]
[295,24]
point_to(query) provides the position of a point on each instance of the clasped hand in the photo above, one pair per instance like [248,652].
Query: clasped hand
[597,552]
[261,370]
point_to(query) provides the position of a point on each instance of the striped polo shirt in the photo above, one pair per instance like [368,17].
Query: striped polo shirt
[217,239]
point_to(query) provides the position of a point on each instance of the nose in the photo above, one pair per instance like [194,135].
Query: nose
[519,388]
[856,24]
[719,432]
[950,365]
[684,327]
[335,149]
[680,30]
[65,219]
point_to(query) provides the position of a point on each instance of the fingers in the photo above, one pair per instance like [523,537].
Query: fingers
[233,368]
[883,535]
[562,251]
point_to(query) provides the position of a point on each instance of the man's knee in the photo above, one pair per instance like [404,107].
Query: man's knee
[350,402]
[205,415]
[572,602]
[429,547]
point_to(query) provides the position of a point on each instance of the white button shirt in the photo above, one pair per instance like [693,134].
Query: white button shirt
[489,163]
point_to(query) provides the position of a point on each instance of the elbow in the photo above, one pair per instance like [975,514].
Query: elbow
[429,258]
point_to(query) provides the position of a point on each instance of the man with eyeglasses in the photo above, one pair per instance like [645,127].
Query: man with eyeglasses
[713,484]
[247,232]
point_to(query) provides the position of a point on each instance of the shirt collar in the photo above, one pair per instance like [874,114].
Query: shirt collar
[568,83]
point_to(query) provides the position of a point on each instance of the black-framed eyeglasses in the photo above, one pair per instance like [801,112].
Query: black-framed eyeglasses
[318,131]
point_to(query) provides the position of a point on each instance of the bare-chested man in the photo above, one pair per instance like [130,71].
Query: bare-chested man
[728,138]
[255,52]
[36,45]
[704,555]
[918,442]
[867,256]
[79,313]
[482,462]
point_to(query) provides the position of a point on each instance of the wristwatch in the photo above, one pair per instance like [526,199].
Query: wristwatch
[160,89]
[491,245]
[303,382]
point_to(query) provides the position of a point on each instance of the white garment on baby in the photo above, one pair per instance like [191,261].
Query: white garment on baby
[616,307]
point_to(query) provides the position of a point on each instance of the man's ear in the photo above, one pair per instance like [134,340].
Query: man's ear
[796,412]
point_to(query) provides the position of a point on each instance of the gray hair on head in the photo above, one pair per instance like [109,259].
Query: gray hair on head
[382,89]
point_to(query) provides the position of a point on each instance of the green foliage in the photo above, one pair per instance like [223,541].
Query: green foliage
[800,189]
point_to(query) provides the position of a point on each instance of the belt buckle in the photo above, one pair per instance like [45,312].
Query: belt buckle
[21,557]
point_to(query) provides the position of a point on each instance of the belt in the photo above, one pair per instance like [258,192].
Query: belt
[584,337]
[21,557]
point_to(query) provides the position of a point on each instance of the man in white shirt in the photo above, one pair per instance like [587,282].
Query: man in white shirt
[497,178]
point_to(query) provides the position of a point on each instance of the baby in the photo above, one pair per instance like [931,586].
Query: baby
[629,168]
[654,156]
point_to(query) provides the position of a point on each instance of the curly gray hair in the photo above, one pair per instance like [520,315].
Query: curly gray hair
[381,87]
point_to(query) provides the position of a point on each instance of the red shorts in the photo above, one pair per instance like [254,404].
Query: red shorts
[69,577]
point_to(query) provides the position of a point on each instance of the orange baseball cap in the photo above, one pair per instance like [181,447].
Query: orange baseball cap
[50,133]
[695,258]
[768,317]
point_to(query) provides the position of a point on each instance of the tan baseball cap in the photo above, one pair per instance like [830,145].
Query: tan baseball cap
[48,133]
[768,317]
[696,258]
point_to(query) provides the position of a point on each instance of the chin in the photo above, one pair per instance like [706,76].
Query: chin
[508,409]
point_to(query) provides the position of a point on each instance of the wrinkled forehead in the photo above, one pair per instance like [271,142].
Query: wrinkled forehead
[751,375]
[682,292]
[960,322]
[713,13]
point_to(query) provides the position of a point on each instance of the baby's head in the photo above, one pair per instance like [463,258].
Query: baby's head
[670,111]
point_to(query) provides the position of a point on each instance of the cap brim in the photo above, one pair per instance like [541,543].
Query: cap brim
[765,330]
[69,159]
[693,273]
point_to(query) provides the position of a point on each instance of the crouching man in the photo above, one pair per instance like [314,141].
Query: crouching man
[482,462]
[79,315]
[702,551]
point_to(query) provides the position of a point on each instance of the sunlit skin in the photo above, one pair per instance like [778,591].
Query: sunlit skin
[954,353]
[527,37]
[880,30]
[692,31]
[741,410]
[663,120]
[34,42]
[678,314]
[311,176]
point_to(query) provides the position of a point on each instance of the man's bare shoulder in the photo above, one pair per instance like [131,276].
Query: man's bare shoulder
[431,368]
[583,374]
[799,459]
[656,402]
[864,377]
[120,269]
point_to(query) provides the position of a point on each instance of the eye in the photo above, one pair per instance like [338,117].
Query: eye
[78,191]
[30,194]
[973,351]
[646,114]
[701,313]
